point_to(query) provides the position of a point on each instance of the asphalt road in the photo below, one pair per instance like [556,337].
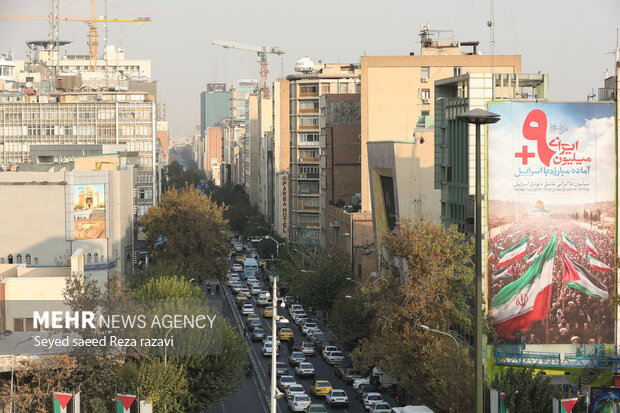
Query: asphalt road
[255,393]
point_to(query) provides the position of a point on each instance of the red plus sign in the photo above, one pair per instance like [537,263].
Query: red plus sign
[524,155]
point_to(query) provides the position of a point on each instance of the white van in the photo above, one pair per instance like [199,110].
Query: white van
[411,409]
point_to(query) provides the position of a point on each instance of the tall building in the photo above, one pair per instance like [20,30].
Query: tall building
[398,149]
[215,106]
[213,154]
[240,93]
[278,215]
[81,118]
[305,90]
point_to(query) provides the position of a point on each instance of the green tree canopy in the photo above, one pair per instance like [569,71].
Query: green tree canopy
[168,288]
[194,230]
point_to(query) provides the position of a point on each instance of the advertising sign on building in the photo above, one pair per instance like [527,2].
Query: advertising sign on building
[216,87]
[284,202]
[89,211]
[551,222]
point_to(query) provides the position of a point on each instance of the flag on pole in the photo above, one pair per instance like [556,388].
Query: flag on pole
[61,400]
[526,300]
[124,402]
[569,243]
[512,254]
[590,246]
[506,272]
[543,238]
[491,255]
[576,276]
[598,265]
[567,405]
[535,255]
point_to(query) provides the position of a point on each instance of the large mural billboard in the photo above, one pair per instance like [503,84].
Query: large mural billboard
[551,222]
[89,211]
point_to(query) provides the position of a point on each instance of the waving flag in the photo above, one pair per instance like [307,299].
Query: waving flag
[124,402]
[543,238]
[61,400]
[526,300]
[506,272]
[512,254]
[535,255]
[491,255]
[569,243]
[598,265]
[591,246]
[576,276]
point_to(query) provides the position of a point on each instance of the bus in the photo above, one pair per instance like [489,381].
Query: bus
[250,267]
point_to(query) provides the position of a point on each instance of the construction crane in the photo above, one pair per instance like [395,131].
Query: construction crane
[261,51]
[91,22]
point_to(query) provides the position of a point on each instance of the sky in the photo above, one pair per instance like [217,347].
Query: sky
[572,40]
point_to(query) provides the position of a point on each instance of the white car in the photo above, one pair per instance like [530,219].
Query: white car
[262,299]
[371,399]
[247,309]
[236,267]
[286,381]
[337,397]
[255,289]
[299,403]
[327,350]
[334,357]
[294,389]
[381,407]
[233,280]
[360,382]
[267,349]
[304,370]
[307,327]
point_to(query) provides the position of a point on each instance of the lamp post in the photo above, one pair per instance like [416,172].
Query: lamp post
[13,370]
[166,347]
[274,347]
[354,281]
[478,117]
[277,244]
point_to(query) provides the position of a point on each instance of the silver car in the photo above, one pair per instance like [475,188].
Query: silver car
[299,403]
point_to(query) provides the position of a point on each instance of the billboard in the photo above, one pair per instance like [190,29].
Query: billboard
[89,211]
[551,222]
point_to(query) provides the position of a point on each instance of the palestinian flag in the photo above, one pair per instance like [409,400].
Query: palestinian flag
[526,300]
[124,402]
[576,276]
[564,405]
[512,254]
[591,246]
[61,400]
[569,243]
[597,265]
[506,272]
[535,255]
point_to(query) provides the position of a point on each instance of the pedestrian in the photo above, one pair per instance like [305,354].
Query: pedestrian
[217,288]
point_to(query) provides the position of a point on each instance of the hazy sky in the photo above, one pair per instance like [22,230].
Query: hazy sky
[572,40]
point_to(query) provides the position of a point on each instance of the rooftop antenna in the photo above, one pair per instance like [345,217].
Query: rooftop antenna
[491,24]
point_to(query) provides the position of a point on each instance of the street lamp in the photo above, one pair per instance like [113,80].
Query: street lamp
[13,370]
[355,281]
[277,243]
[166,347]
[458,364]
[478,117]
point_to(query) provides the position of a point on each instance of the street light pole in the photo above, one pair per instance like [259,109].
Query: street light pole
[274,345]
[356,282]
[277,244]
[478,117]
[166,347]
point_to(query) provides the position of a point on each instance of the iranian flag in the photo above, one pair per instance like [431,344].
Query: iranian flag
[506,272]
[526,300]
[576,276]
[491,255]
[598,265]
[61,400]
[569,243]
[535,255]
[591,246]
[512,254]
[124,402]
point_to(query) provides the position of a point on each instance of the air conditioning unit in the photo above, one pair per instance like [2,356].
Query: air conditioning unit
[426,101]
[424,79]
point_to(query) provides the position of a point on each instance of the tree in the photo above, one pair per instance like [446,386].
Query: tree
[350,317]
[168,288]
[436,290]
[239,211]
[175,176]
[194,230]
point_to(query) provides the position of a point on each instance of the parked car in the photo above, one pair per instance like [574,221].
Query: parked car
[258,334]
[308,349]
[352,374]
[293,390]
[304,370]
[381,407]
[371,398]
[334,357]
[320,388]
[337,398]
[296,357]
[341,367]
[286,381]
[299,403]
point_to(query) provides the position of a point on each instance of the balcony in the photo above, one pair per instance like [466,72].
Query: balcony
[309,127]
[304,111]
[308,160]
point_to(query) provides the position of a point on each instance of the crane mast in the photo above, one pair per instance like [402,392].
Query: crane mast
[261,51]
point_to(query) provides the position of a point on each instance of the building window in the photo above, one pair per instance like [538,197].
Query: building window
[308,89]
[36,261]
[309,105]
[457,71]
[10,259]
[426,113]
[425,95]
[142,194]
[96,258]
[449,174]
[308,122]
[425,73]
[309,138]
[343,88]
[89,258]
[324,88]
[28,260]
[18,259]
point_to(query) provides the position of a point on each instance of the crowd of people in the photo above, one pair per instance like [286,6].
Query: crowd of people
[573,317]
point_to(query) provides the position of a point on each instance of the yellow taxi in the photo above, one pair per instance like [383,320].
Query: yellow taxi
[285,334]
[252,317]
[242,297]
[262,263]
[268,312]
[320,388]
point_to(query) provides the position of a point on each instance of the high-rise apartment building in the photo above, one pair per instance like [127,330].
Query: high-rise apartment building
[278,209]
[215,106]
[305,90]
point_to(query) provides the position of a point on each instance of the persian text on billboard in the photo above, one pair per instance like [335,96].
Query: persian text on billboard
[551,219]
[89,211]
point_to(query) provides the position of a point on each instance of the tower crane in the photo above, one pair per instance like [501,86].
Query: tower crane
[261,51]
[91,22]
